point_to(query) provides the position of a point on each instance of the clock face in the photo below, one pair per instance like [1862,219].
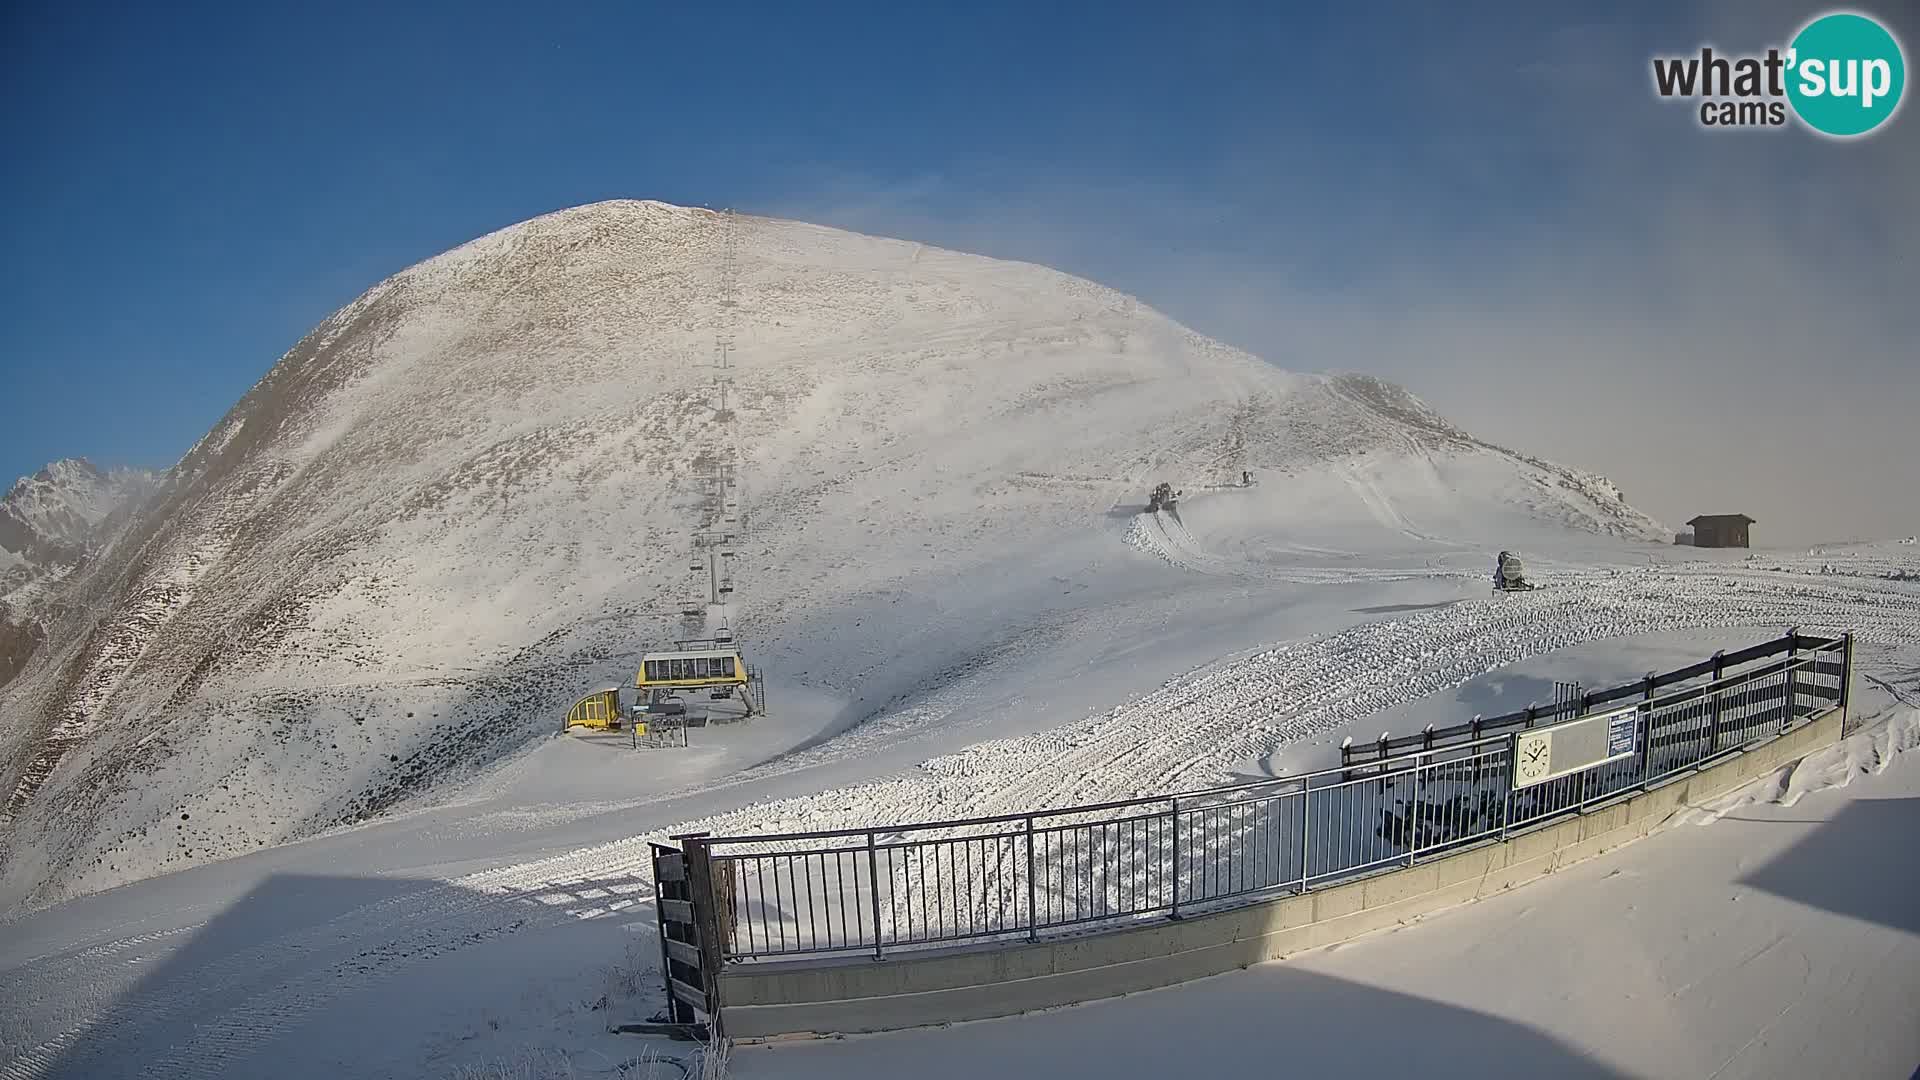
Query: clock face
[1532,756]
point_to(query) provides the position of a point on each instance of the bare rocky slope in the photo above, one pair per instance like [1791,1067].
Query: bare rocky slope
[467,497]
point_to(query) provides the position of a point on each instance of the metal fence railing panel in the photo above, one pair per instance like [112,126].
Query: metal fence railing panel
[1021,876]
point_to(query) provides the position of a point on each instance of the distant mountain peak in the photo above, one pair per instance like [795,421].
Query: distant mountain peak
[51,520]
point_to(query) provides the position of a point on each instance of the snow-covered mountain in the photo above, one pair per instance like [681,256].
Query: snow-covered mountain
[50,523]
[468,497]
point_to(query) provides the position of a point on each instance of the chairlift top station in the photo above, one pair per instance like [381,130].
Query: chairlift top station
[691,669]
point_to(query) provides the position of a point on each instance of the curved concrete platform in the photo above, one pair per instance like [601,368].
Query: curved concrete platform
[980,981]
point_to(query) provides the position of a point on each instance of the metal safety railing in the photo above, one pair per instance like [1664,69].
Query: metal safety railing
[1021,876]
[1713,668]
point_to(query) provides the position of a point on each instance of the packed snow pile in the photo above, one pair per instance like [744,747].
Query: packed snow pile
[466,498]
[1868,751]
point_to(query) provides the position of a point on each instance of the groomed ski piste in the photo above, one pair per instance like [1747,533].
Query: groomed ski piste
[385,950]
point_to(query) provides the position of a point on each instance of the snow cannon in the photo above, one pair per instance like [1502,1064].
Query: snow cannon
[1509,575]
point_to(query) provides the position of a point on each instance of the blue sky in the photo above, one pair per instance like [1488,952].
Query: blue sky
[1492,209]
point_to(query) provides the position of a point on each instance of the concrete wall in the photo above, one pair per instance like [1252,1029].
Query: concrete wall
[984,980]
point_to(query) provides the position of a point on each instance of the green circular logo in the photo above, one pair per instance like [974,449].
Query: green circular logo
[1846,73]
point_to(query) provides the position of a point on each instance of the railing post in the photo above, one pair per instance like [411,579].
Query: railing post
[1413,811]
[1175,818]
[705,915]
[1506,816]
[678,1011]
[1846,672]
[1793,641]
[1713,702]
[873,888]
[1033,907]
[1646,752]
[1306,831]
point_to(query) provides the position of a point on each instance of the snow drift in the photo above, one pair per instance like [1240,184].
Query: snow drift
[466,497]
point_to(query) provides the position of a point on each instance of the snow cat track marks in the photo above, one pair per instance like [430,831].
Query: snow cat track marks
[1190,714]
[37,1063]
[1166,538]
[1190,731]
[247,998]
[1048,480]
[235,1035]
[132,1017]
[82,966]
[1406,420]
[1381,507]
[1136,479]
[81,953]
[1185,759]
[1181,553]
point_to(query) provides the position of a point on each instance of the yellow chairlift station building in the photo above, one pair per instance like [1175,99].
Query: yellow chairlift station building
[691,669]
[722,671]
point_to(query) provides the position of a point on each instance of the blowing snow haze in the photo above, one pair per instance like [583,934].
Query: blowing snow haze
[463,500]
[1510,221]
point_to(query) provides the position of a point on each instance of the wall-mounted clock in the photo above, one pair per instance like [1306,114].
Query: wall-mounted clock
[1532,757]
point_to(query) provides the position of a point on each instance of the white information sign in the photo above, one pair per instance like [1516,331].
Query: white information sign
[1548,753]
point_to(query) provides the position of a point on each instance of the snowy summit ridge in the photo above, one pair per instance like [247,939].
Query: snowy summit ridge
[465,498]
